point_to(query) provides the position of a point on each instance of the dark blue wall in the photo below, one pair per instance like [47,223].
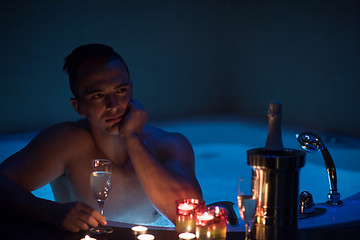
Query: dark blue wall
[189,58]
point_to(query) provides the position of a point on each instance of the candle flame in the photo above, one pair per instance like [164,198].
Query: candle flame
[217,210]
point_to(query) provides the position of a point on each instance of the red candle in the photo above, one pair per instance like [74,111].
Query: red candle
[211,224]
[185,214]
[204,218]
[185,208]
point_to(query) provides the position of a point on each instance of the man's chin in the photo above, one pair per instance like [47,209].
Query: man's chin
[113,131]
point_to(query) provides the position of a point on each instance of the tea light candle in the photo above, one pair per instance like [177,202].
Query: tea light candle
[185,208]
[186,236]
[205,217]
[211,224]
[185,214]
[88,238]
[146,237]
[139,230]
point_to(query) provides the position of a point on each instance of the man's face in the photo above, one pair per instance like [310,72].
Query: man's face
[104,93]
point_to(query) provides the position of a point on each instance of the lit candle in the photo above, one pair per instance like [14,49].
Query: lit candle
[88,238]
[205,217]
[186,236]
[139,230]
[185,214]
[185,221]
[185,208]
[211,224]
[217,210]
[146,237]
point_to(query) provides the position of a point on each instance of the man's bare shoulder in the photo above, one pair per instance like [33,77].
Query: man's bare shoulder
[48,154]
[71,130]
[157,135]
[63,138]
[167,143]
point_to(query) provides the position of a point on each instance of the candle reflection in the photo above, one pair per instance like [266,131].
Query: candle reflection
[186,236]
[146,237]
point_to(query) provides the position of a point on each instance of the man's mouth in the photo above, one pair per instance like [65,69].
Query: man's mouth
[113,119]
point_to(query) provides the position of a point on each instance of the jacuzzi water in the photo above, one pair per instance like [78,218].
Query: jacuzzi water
[220,147]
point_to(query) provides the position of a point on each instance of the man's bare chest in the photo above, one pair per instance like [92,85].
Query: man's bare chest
[126,195]
[123,180]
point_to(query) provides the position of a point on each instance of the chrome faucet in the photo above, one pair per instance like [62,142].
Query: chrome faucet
[311,142]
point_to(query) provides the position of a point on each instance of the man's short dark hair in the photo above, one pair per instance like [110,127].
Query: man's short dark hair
[82,55]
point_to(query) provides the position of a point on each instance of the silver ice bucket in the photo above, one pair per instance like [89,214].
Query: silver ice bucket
[275,182]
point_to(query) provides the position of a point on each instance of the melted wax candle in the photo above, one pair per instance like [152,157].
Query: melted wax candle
[185,209]
[146,237]
[185,221]
[211,224]
[139,230]
[204,218]
[186,236]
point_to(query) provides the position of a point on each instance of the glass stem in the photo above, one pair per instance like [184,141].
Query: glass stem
[247,231]
[101,207]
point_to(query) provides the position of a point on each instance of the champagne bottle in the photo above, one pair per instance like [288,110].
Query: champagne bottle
[274,138]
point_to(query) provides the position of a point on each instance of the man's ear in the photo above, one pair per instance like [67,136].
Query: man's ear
[75,103]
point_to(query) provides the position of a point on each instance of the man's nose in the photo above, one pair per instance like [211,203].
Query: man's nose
[111,102]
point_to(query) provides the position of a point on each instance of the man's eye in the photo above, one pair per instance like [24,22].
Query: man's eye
[121,90]
[97,96]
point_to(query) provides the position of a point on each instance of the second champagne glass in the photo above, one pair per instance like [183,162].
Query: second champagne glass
[100,183]
[247,204]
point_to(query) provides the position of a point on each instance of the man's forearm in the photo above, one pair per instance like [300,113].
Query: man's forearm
[163,185]
[16,201]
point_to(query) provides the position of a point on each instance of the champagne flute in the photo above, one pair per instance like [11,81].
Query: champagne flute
[100,183]
[247,204]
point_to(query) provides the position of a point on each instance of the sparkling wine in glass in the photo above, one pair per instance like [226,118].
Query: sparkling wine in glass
[247,204]
[100,183]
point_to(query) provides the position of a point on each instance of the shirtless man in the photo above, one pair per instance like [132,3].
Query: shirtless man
[151,168]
